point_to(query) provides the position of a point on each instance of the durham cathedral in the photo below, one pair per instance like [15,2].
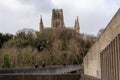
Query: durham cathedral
[58,21]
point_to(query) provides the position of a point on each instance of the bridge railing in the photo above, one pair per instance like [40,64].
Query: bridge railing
[53,70]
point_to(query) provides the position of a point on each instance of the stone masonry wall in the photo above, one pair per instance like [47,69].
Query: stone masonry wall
[92,64]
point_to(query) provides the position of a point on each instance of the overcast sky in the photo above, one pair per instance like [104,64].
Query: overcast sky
[93,14]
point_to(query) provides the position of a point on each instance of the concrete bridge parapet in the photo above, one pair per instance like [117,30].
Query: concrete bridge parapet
[92,64]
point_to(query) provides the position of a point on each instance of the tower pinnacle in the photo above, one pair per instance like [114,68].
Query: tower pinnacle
[41,24]
[76,26]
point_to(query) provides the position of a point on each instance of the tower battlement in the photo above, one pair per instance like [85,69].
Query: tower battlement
[57,18]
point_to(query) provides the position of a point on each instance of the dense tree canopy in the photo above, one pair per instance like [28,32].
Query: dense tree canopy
[53,46]
[4,38]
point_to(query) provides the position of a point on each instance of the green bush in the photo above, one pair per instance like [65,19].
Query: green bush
[6,63]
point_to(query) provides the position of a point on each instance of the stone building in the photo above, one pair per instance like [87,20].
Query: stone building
[57,21]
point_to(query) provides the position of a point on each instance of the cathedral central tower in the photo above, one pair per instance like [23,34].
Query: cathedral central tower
[57,18]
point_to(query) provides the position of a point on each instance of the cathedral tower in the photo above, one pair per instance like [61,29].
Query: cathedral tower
[57,18]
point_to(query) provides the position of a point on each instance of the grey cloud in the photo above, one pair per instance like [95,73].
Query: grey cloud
[90,20]
[41,5]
